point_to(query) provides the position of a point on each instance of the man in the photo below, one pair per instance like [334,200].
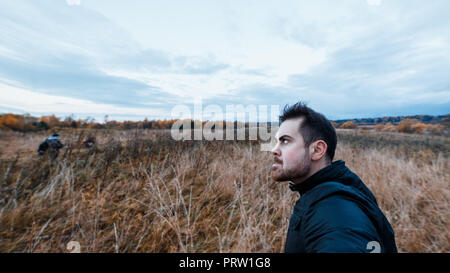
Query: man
[336,212]
[53,144]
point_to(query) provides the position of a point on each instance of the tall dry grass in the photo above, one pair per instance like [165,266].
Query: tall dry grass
[141,191]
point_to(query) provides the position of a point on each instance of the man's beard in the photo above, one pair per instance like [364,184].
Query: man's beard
[301,170]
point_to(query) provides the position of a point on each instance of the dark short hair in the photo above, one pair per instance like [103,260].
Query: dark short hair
[315,126]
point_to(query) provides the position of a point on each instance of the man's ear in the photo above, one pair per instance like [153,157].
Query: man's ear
[318,150]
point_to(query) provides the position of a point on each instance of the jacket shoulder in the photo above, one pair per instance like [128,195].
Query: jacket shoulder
[337,224]
[338,211]
[327,189]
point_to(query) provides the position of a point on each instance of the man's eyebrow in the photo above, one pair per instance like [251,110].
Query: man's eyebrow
[284,136]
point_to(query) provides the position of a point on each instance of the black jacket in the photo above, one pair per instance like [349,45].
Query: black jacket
[336,212]
[50,142]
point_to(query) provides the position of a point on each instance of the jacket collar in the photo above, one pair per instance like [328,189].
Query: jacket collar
[329,173]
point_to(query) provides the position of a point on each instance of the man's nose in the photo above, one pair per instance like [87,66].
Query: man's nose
[276,150]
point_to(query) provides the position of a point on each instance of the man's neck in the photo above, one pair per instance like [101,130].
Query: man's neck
[315,167]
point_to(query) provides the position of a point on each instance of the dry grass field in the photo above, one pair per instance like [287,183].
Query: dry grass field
[141,191]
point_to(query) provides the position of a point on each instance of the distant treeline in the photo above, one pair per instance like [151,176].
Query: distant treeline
[407,124]
[426,119]
[419,124]
[27,123]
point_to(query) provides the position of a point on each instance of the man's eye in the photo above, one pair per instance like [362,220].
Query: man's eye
[285,141]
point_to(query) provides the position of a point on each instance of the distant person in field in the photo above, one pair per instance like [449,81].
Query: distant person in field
[336,212]
[51,145]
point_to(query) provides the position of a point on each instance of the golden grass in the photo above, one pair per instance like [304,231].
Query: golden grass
[141,191]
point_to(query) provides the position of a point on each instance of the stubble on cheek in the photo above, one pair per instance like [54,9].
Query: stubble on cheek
[288,172]
[282,172]
[277,173]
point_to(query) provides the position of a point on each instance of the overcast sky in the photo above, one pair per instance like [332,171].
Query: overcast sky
[139,58]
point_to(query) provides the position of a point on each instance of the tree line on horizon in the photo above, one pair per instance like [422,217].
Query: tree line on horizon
[406,124]
[27,123]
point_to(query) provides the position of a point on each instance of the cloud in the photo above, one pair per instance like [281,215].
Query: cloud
[374,66]
[377,61]
[35,103]
[44,51]
[343,58]
[73,2]
[54,49]
[198,65]
[388,73]
[374,2]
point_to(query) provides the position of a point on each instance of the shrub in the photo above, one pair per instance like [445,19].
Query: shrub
[348,125]
[406,125]
[389,127]
[419,128]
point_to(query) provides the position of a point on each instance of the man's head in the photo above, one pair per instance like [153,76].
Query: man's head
[306,142]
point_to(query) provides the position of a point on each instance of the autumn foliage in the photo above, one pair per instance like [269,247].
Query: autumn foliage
[411,126]
[27,123]
[348,125]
